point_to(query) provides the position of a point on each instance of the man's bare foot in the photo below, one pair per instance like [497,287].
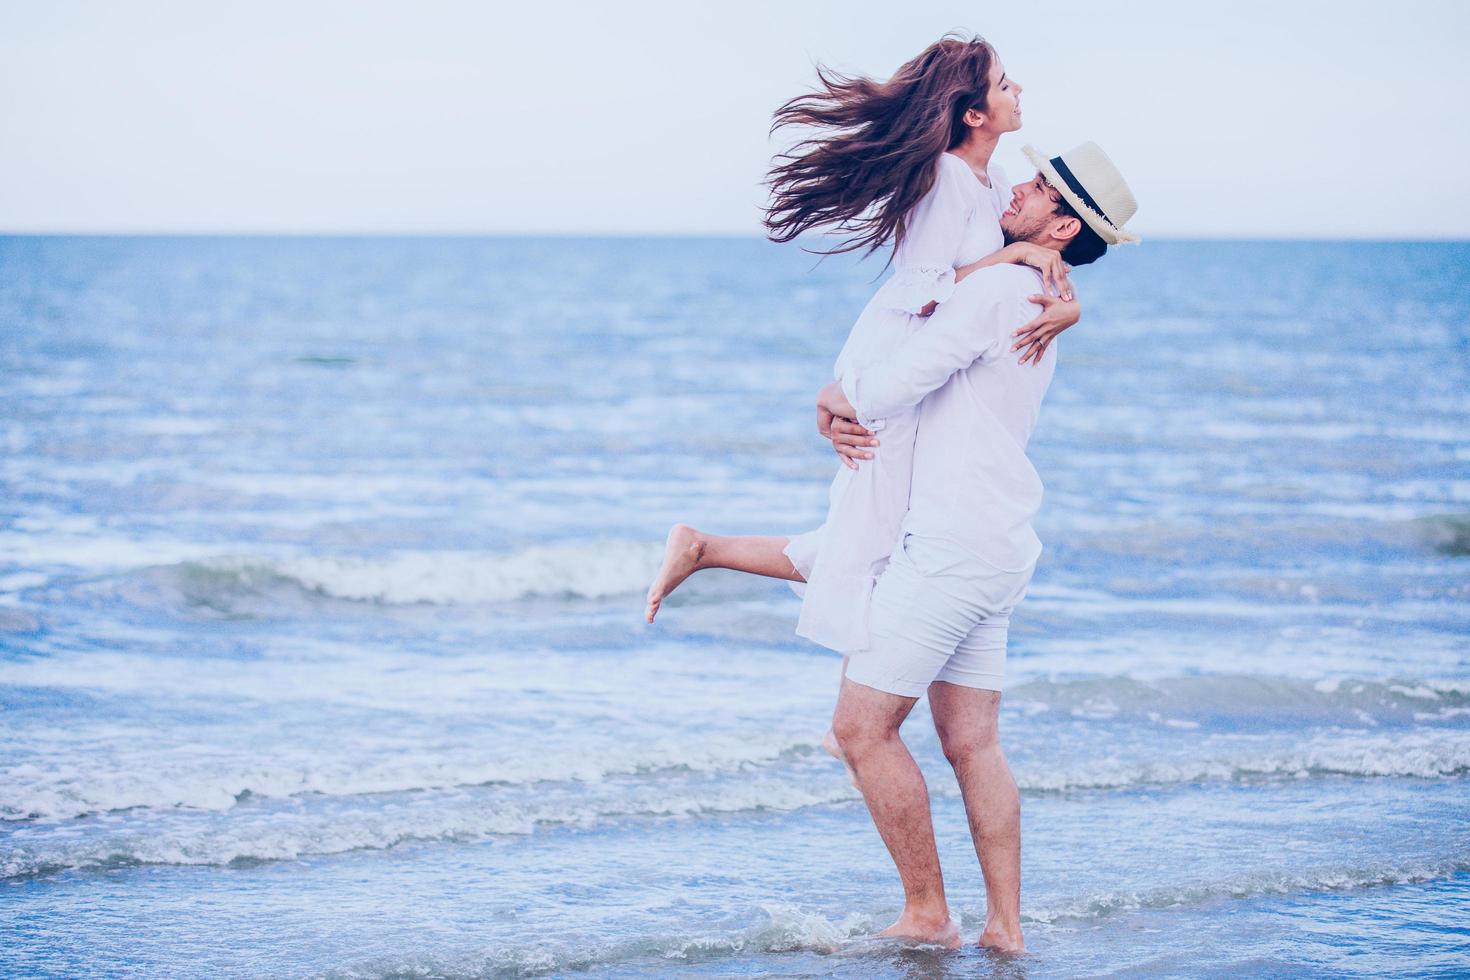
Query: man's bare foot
[682,553]
[910,926]
[1001,940]
[829,742]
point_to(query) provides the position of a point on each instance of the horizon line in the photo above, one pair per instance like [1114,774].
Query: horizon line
[1448,239]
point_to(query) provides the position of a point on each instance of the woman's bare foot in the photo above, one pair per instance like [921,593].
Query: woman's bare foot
[944,933]
[682,553]
[1001,940]
[829,742]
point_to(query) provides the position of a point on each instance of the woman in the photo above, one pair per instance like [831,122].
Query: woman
[906,161]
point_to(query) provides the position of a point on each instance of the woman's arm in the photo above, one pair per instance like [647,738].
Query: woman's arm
[1037,335]
[1058,312]
[1047,261]
[924,273]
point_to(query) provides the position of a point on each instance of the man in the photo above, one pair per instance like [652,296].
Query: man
[941,608]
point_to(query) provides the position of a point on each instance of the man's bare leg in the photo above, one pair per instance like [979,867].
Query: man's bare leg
[968,722]
[689,550]
[866,725]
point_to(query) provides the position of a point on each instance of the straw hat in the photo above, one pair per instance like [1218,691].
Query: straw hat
[1093,186]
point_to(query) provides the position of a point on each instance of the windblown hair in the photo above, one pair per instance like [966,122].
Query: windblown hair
[877,145]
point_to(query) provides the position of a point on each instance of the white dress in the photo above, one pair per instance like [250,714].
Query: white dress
[957,222]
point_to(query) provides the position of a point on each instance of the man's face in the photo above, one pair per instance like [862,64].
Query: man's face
[1033,209]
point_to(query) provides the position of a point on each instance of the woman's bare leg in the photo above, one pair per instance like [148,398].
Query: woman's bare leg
[690,550]
[829,741]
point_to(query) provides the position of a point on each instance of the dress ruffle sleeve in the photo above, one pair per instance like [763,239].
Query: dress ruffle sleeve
[924,262]
[911,289]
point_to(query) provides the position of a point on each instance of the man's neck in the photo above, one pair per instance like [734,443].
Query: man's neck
[1047,242]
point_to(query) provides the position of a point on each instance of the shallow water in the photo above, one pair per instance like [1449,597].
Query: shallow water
[320,646]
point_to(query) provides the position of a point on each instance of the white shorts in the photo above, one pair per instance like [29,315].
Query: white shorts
[939,613]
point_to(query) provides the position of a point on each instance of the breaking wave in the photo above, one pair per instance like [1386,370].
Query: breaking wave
[278,833]
[29,792]
[780,928]
[1246,700]
[592,570]
[1253,884]
[787,928]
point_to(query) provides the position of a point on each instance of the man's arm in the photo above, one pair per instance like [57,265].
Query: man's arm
[962,330]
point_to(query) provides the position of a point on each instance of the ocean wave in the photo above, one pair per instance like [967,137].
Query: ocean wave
[1246,538]
[64,780]
[1427,754]
[258,829]
[1235,700]
[587,570]
[780,928]
[1252,885]
[786,928]
[1449,534]
[30,792]
[285,833]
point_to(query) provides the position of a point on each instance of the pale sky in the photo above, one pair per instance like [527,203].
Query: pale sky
[1291,118]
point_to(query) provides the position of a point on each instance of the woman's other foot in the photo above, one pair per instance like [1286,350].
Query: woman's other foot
[682,555]
[829,742]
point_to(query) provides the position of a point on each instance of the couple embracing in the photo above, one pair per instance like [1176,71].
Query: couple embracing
[928,544]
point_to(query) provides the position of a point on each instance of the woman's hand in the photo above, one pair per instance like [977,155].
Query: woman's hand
[1056,315]
[1048,262]
[850,441]
[831,399]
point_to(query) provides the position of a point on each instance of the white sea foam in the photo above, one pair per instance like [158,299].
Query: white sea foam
[1335,700]
[271,833]
[201,779]
[95,551]
[781,927]
[60,772]
[207,822]
[1424,754]
[785,927]
[1274,881]
[587,570]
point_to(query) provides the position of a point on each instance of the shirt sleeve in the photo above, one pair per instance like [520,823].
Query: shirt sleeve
[958,334]
[933,231]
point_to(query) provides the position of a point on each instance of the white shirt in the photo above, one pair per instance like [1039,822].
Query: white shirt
[957,222]
[972,483]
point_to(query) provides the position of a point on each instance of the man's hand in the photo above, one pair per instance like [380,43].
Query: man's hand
[849,440]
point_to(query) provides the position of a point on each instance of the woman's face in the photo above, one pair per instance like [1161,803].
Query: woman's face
[1003,104]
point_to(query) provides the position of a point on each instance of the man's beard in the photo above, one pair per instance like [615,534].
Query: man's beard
[1021,233]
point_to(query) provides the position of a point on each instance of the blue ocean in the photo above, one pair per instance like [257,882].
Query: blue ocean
[322,655]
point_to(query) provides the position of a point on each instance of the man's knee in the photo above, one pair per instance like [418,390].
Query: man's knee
[858,729]
[855,731]
[968,742]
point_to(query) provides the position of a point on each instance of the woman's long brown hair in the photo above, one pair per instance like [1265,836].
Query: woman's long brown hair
[875,156]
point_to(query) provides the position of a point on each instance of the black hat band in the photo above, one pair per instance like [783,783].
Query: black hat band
[1076,185]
